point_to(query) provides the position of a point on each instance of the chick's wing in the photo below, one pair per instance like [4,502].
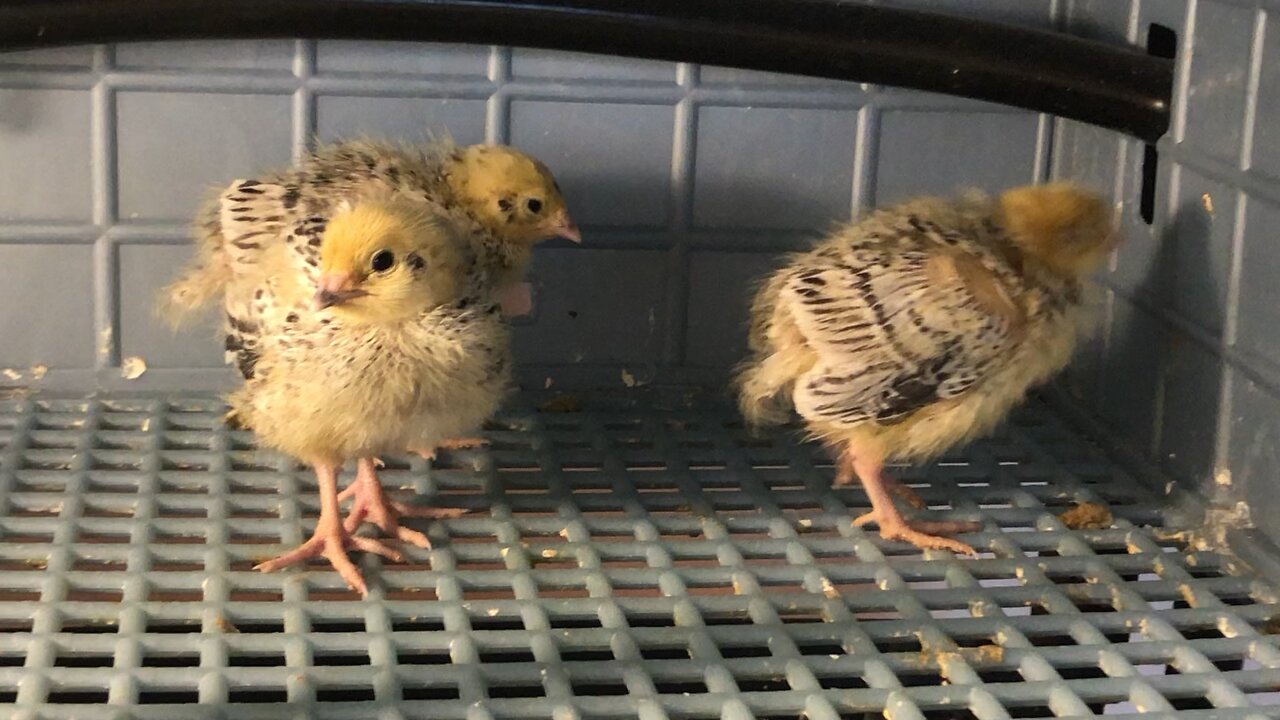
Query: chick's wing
[896,329]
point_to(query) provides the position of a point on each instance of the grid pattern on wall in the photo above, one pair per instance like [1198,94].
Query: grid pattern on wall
[687,181]
[1188,367]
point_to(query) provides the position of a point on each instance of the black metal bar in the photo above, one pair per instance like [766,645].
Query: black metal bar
[1114,87]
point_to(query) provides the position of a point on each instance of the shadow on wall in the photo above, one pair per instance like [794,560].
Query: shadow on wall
[1164,387]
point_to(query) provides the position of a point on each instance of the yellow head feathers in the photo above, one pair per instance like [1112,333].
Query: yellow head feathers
[384,260]
[511,193]
[1063,226]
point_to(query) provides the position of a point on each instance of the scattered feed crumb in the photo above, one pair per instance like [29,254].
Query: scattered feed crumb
[1087,515]
[562,404]
[829,589]
[132,368]
[985,654]
[628,379]
[225,625]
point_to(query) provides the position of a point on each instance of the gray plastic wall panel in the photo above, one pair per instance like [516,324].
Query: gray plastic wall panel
[1188,366]
[687,180]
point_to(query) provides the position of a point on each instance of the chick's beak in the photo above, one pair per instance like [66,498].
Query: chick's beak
[336,289]
[563,226]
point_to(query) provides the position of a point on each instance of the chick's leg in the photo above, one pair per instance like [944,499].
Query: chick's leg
[893,526]
[370,503]
[845,476]
[331,539]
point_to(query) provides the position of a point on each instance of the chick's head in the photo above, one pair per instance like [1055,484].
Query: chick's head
[512,194]
[387,260]
[1063,226]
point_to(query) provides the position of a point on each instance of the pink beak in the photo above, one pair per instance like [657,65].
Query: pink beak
[336,289]
[563,226]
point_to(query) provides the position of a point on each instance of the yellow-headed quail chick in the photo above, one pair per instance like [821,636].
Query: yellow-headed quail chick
[920,327]
[512,198]
[510,194]
[358,332]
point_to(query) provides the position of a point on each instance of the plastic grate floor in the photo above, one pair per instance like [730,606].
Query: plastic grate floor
[630,555]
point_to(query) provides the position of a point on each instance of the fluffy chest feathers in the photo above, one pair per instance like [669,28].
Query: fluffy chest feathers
[321,387]
[325,387]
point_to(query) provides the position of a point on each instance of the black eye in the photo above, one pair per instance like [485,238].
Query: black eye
[534,205]
[383,260]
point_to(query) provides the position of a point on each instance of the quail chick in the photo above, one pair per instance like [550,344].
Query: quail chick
[358,332]
[511,198]
[920,327]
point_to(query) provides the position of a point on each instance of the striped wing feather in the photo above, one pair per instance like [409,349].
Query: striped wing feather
[895,329]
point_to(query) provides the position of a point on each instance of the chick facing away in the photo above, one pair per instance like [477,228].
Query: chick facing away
[358,332]
[920,327]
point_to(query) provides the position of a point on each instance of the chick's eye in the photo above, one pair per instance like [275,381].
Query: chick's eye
[383,260]
[534,205]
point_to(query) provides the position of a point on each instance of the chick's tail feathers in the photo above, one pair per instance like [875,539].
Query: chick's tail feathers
[763,384]
[206,277]
[192,292]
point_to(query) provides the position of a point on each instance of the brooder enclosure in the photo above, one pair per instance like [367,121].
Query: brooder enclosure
[632,549]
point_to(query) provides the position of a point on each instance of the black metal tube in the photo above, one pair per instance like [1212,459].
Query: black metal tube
[1114,87]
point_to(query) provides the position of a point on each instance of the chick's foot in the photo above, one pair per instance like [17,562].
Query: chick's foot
[331,540]
[924,534]
[370,502]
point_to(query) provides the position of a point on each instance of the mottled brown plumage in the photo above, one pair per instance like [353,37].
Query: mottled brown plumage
[494,189]
[497,187]
[360,326]
[921,326]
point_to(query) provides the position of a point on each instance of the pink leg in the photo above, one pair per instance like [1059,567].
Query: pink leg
[893,526]
[845,476]
[331,539]
[371,503]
